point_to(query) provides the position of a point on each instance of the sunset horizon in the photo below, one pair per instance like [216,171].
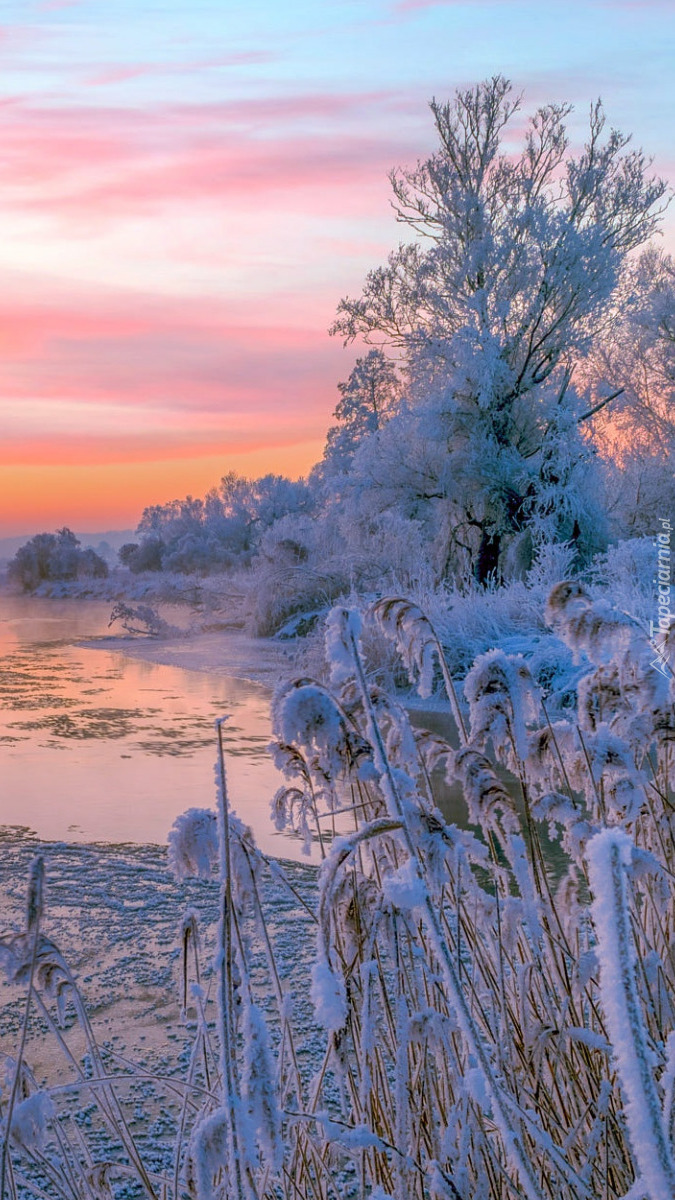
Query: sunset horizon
[183,210]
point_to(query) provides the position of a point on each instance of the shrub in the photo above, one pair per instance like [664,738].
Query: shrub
[144,556]
[54,556]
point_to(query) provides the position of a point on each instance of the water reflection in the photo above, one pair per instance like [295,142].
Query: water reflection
[97,746]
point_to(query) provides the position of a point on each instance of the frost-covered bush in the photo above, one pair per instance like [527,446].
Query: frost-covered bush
[142,619]
[218,532]
[296,570]
[51,557]
[305,564]
[143,556]
[470,619]
[626,575]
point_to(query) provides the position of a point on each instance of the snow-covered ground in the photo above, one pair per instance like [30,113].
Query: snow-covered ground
[115,913]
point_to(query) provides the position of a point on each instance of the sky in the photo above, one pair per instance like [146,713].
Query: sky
[188,188]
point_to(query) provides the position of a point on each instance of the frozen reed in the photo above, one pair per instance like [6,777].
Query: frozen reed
[494,1004]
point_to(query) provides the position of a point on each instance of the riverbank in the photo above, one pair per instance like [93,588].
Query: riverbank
[115,913]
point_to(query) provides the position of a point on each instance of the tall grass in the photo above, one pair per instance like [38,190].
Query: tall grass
[490,1023]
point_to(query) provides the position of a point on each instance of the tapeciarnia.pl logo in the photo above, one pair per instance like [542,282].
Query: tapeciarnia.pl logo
[659,628]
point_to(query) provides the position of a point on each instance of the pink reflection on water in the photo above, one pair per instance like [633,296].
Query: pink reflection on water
[96,746]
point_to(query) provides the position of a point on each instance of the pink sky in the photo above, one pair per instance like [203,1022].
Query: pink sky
[186,195]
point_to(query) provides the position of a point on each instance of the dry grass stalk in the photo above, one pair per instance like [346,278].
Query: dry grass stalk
[467,984]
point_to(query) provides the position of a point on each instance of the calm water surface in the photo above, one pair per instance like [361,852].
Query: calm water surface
[95,746]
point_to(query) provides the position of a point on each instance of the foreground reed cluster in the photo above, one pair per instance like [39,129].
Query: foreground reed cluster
[494,1018]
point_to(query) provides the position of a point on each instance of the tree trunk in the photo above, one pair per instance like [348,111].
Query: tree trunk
[487,559]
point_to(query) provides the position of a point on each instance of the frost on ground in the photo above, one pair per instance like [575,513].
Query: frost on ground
[118,918]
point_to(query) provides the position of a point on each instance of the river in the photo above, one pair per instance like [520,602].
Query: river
[97,746]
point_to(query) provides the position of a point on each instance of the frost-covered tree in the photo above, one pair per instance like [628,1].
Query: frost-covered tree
[368,399]
[638,352]
[637,436]
[54,556]
[218,531]
[510,275]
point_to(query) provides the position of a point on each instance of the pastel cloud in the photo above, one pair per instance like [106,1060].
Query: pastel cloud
[123,378]
[237,172]
[187,190]
[120,73]
[87,167]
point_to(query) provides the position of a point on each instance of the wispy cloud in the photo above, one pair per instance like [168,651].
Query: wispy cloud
[127,377]
[406,7]
[122,73]
[402,7]
[103,162]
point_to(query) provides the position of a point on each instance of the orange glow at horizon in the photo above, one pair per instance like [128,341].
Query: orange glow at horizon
[186,196]
[110,496]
